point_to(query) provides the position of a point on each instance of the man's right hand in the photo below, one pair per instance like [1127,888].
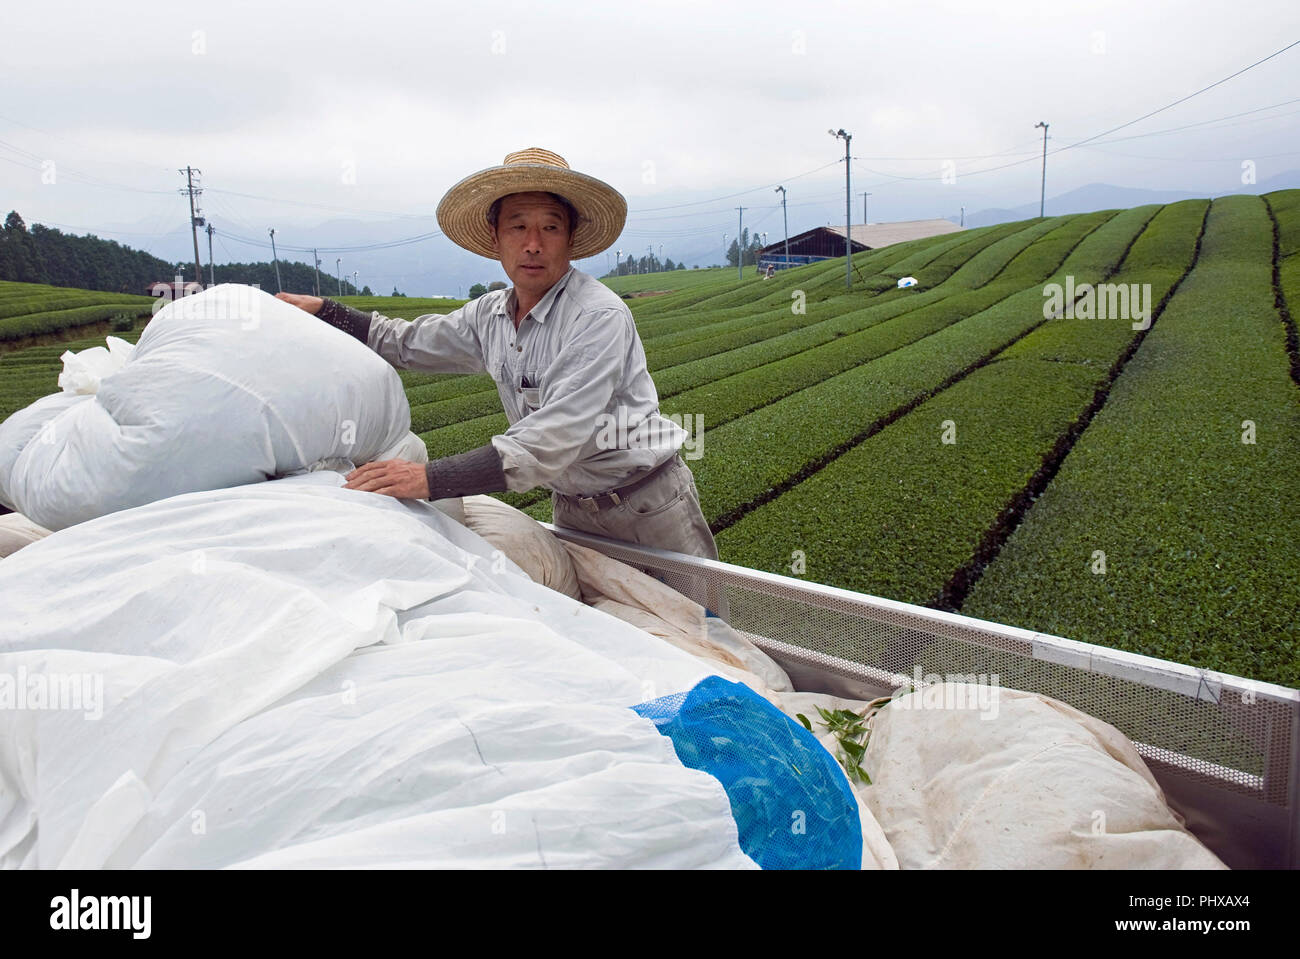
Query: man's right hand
[311,304]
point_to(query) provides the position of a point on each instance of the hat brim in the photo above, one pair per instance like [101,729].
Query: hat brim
[462,214]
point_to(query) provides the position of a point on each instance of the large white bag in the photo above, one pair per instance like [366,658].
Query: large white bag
[325,677]
[980,777]
[225,387]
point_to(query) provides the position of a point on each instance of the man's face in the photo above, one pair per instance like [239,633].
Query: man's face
[532,239]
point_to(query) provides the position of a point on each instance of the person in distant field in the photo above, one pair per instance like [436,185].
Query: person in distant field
[566,357]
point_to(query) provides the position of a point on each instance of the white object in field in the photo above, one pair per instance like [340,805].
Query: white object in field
[418,702]
[980,777]
[906,282]
[226,387]
[83,370]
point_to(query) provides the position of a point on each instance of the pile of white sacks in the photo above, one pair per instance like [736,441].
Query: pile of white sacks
[226,387]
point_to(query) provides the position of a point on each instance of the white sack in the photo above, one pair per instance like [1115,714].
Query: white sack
[534,549]
[294,674]
[17,531]
[226,387]
[967,777]
[83,370]
[410,448]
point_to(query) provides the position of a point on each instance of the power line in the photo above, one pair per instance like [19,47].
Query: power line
[224,213]
[94,149]
[1104,133]
[1187,159]
[732,196]
[1205,123]
[1168,106]
[406,241]
[69,172]
[325,206]
[1013,151]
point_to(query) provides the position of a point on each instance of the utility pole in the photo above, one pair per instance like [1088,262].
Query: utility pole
[274,257]
[724,247]
[337,275]
[963,217]
[196,220]
[740,249]
[212,276]
[784,220]
[355,289]
[1042,196]
[848,209]
[315,256]
[651,248]
[865,221]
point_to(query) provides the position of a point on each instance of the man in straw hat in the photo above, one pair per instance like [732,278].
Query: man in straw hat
[564,352]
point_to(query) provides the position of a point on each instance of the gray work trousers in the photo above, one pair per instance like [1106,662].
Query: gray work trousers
[664,513]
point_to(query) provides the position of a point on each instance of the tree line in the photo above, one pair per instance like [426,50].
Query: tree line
[42,254]
[628,266]
[294,278]
[478,289]
[45,255]
[752,245]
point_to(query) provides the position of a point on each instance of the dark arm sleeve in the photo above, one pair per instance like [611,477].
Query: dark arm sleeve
[350,321]
[466,474]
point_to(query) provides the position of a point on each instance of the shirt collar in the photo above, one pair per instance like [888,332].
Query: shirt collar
[542,310]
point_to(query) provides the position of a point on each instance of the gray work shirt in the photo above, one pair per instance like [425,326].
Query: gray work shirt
[583,411]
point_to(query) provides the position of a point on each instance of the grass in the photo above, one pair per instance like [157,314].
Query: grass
[1198,527]
[33,309]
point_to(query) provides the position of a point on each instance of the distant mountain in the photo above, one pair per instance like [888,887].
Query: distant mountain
[1106,196]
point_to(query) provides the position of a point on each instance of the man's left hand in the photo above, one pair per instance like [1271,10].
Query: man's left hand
[400,478]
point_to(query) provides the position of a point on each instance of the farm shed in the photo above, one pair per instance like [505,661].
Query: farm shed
[827,242]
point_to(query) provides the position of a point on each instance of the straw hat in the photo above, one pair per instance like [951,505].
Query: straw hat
[462,214]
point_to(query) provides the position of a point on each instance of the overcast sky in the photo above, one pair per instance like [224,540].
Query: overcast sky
[326,110]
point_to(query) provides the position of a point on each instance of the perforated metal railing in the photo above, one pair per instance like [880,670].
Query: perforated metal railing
[1226,750]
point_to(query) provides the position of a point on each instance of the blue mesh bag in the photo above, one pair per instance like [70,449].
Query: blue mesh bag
[793,806]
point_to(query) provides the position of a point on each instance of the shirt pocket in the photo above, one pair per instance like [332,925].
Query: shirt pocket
[531,391]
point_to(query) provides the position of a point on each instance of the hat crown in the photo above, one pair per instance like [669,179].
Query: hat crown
[536,156]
